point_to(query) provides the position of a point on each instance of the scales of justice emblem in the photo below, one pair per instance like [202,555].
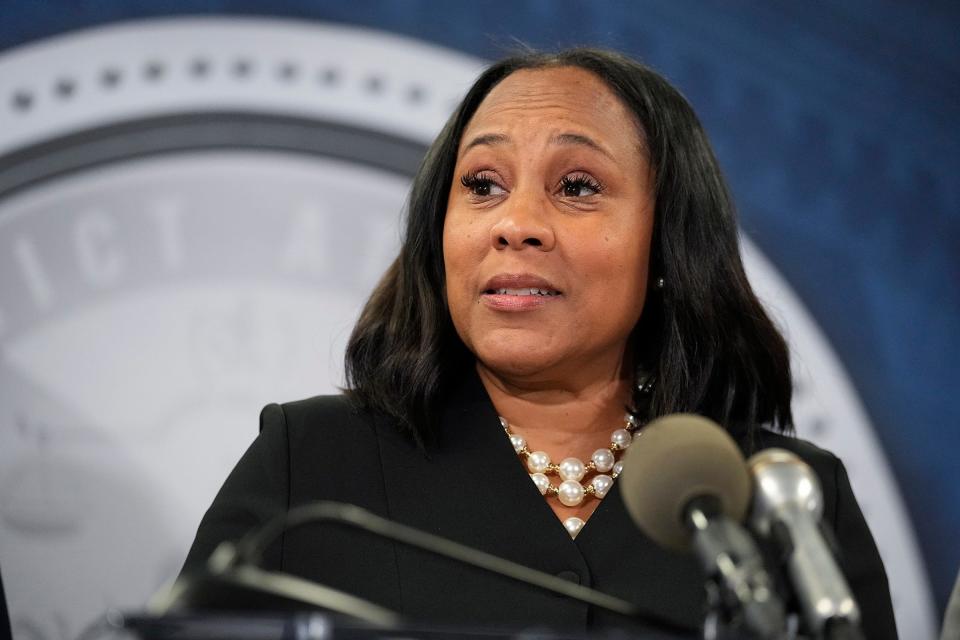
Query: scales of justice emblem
[192,212]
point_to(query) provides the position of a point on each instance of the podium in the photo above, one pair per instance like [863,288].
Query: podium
[312,625]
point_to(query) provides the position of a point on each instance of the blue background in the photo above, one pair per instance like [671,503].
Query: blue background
[837,127]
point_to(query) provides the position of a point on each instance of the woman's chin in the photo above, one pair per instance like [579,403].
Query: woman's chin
[519,363]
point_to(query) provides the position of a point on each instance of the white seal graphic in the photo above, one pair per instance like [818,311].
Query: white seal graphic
[192,212]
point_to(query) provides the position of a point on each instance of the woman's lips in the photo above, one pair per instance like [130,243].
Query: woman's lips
[518,292]
[513,302]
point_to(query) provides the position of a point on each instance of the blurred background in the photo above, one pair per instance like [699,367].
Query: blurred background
[196,197]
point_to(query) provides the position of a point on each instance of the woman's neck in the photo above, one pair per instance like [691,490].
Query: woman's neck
[562,419]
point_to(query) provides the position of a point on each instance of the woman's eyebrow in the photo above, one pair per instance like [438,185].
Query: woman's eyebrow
[489,139]
[493,139]
[582,140]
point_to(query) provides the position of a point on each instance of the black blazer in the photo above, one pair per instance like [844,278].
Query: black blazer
[469,486]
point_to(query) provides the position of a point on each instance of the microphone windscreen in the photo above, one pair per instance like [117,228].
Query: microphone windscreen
[677,458]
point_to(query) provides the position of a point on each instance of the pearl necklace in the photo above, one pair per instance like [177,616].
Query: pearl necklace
[571,491]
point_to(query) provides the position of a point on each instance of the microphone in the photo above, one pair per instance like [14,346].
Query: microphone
[787,507]
[685,484]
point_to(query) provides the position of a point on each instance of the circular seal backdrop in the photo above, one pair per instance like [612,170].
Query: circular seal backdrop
[192,212]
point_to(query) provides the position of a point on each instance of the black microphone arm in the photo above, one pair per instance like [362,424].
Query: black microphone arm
[248,553]
[787,507]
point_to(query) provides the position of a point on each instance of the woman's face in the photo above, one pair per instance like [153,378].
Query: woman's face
[546,240]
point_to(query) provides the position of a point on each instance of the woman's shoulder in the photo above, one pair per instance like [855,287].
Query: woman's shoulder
[320,405]
[764,438]
[328,418]
[328,422]
[827,466]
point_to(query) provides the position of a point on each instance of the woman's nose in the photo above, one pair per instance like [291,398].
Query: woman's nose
[523,224]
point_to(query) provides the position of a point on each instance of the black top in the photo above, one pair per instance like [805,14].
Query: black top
[470,486]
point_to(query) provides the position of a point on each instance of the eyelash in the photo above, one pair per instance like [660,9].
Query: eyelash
[581,180]
[477,180]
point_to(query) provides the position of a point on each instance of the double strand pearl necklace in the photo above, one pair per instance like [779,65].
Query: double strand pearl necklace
[571,491]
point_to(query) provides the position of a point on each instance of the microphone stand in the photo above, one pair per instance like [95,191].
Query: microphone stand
[742,601]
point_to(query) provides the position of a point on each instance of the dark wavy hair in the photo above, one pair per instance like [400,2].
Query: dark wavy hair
[704,338]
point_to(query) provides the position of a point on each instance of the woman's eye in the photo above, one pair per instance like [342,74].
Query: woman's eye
[579,186]
[481,185]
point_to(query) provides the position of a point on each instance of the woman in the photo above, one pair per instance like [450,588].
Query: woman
[570,251]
